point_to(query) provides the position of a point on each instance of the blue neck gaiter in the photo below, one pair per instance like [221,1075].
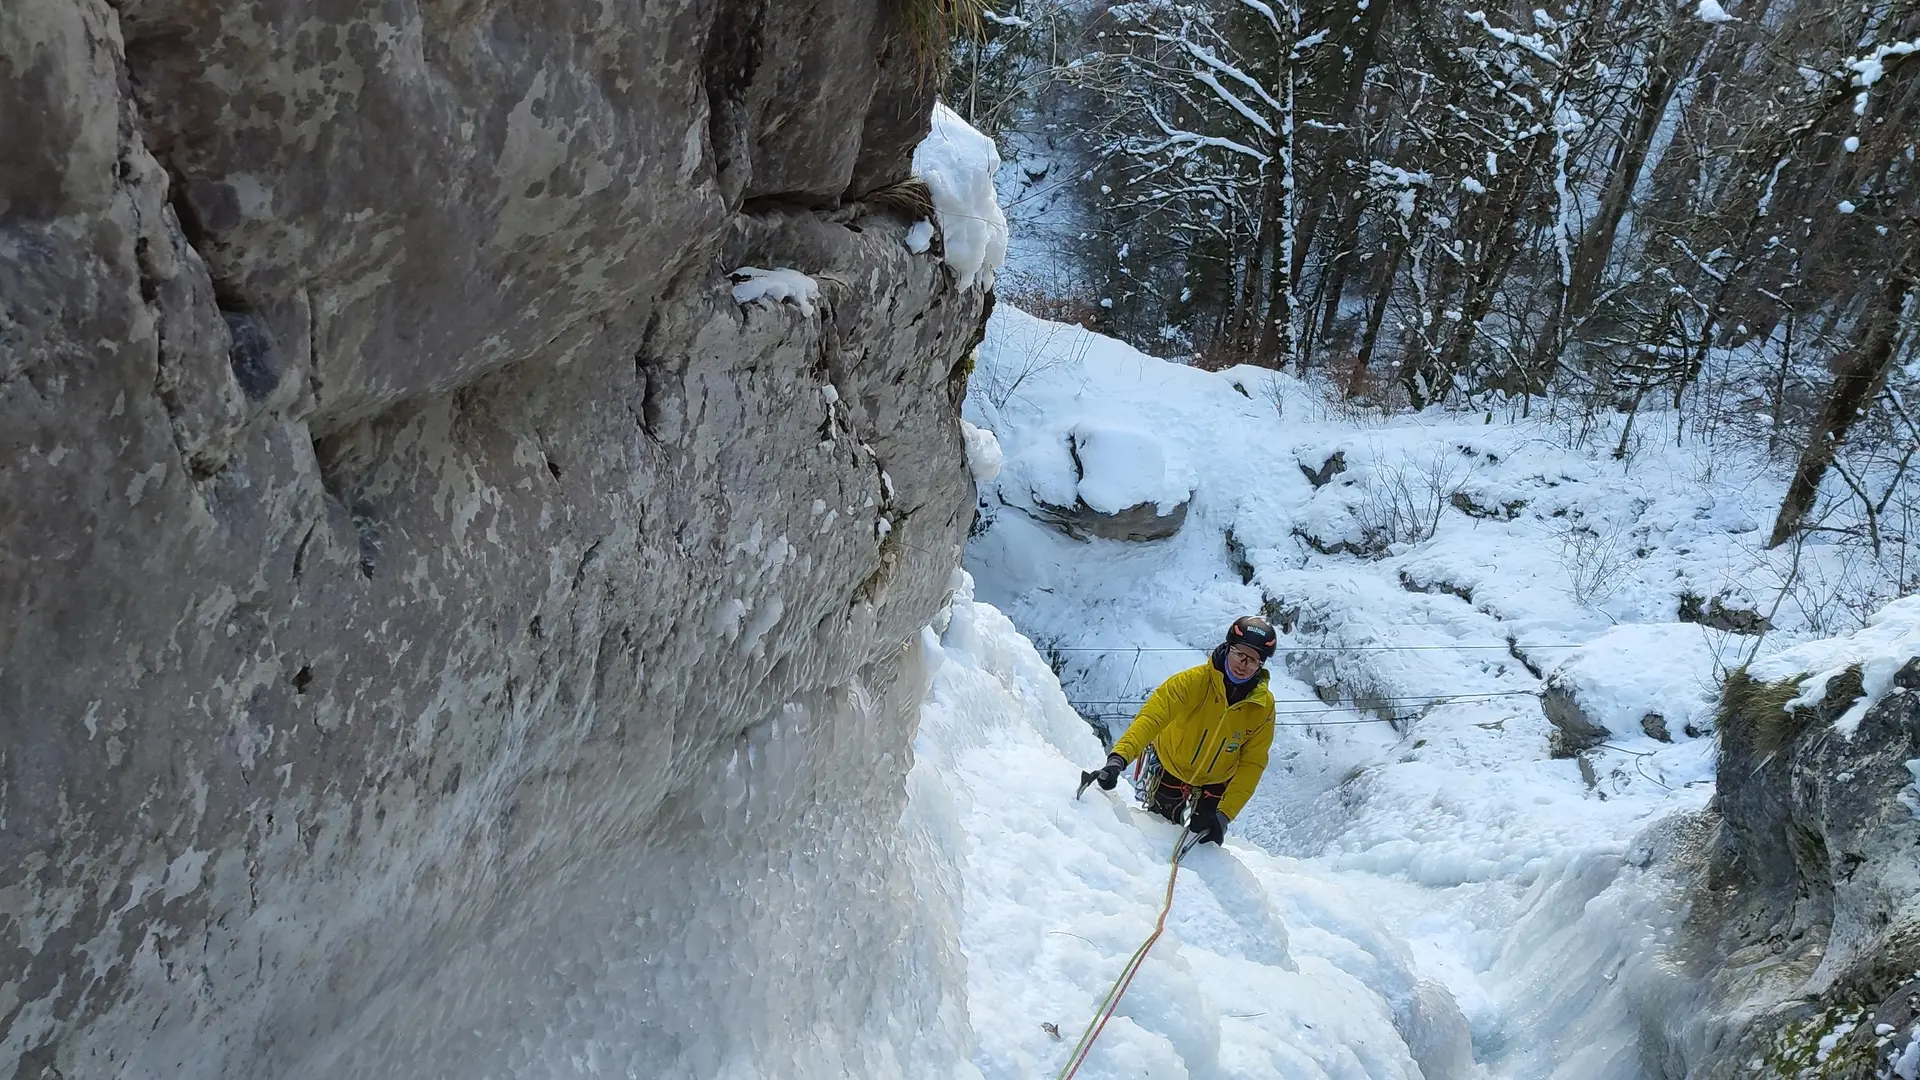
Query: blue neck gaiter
[1227,672]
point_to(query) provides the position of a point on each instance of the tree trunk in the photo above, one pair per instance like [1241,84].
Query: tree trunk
[1277,338]
[1860,375]
[1347,240]
[1276,328]
[1674,54]
[1389,268]
[1247,310]
[1493,257]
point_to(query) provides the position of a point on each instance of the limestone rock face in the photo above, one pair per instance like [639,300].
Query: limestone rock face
[428,596]
[1805,914]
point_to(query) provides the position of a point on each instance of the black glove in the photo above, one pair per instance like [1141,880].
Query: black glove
[1209,825]
[1109,774]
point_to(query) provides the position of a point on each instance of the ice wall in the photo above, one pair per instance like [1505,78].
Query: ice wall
[1269,967]
[776,922]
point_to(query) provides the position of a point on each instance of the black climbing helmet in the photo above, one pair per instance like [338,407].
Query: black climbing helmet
[1255,633]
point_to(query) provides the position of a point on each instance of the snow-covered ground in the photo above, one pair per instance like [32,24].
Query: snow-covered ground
[1417,885]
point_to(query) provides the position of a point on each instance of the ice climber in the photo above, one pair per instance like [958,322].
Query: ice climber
[1206,732]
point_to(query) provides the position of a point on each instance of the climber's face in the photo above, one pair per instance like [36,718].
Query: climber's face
[1242,662]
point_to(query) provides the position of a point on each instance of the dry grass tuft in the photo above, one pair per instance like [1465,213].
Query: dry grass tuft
[1757,710]
[930,27]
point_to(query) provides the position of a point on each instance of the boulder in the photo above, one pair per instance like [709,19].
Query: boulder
[1121,484]
[1142,521]
[1573,729]
[1717,614]
[1616,682]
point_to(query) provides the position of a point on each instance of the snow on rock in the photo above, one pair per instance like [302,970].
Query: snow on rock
[919,236]
[1267,968]
[1906,1060]
[983,453]
[1641,680]
[1890,639]
[1122,468]
[1710,11]
[957,163]
[751,283]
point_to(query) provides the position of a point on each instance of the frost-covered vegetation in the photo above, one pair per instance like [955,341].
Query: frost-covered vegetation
[1705,208]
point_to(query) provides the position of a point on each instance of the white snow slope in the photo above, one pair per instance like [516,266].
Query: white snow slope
[1430,897]
[1267,968]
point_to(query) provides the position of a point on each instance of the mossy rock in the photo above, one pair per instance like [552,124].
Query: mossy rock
[1757,712]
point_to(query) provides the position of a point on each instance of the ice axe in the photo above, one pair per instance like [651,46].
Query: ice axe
[1114,762]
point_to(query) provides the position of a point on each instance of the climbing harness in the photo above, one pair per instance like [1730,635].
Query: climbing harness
[1185,843]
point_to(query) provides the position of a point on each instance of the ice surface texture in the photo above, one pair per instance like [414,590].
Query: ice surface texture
[1267,969]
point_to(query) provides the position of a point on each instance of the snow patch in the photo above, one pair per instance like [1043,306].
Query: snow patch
[1121,468]
[1710,11]
[957,163]
[1906,1063]
[751,283]
[983,453]
[1890,639]
[919,236]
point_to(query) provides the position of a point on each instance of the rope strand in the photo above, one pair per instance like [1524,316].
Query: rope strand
[1183,844]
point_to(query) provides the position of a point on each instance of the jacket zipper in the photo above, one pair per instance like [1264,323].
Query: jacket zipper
[1221,747]
[1199,746]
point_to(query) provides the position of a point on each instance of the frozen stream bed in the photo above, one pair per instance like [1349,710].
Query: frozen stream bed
[1418,887]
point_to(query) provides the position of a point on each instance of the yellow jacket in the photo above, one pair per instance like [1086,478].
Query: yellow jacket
[1200,738]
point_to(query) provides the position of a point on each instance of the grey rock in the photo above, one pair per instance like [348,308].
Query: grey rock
[1803,910]
[1573,729]
[1501,511]
[1330,468]
[407,538]
[1717,614]
[1140,522]
[1370,544]
[1435,585]
[1238,559]
[1655,726]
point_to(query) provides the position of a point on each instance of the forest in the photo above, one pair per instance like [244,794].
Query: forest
[1699,211]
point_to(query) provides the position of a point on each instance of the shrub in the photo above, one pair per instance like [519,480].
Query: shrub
[1403,503]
